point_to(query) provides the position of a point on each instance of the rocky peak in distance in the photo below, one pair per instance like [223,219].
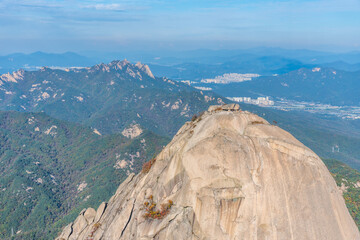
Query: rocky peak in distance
[117,65]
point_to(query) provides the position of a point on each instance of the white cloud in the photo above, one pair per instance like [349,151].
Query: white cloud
[109,7]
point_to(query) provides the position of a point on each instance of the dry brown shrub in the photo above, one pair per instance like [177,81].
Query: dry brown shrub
[147,166]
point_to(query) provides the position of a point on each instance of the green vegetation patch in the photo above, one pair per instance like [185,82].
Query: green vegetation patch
[52,169]
[349,180]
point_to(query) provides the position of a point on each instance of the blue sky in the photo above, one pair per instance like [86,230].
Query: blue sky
[72,25]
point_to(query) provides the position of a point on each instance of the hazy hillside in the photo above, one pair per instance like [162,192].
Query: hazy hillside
[51,169]
[323,85]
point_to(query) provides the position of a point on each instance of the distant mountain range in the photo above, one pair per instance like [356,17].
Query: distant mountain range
[13,62]
[246,63]
[208,56]
[108,97]
[267,65]
[173,64]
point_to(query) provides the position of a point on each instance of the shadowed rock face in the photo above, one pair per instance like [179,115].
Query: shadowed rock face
[230,175]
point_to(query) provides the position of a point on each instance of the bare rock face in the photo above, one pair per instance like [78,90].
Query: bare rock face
[145,68]
[230,175]
[132,131]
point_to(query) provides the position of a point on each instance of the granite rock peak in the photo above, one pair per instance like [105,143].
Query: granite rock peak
[229,174]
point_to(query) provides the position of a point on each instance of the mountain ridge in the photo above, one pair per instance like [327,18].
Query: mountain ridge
[108,97]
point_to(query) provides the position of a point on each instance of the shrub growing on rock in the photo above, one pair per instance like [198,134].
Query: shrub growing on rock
[152,213]
[147,166]
[93,230]
[194,117]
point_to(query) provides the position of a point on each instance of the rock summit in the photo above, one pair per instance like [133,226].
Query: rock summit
[228,174]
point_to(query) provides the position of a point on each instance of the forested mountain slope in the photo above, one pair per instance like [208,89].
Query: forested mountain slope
[50,169]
